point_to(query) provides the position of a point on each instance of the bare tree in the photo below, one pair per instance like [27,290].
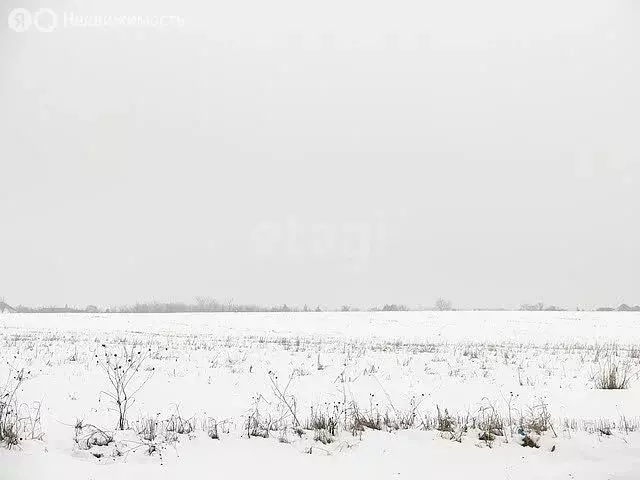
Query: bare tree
[443,305]
[5,307]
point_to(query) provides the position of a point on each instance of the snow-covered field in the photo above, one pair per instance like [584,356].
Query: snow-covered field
[337,395]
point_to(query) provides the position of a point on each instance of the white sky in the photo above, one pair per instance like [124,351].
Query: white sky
[327,152]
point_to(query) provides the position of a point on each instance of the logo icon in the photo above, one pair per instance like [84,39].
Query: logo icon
[44,20]
[20,20]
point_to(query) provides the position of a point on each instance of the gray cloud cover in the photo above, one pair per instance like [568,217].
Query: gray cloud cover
[328,152]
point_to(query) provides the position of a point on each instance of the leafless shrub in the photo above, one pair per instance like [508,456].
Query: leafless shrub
[400,418]
[283,437]
[538,420]
[210,426]
[9,434]
[265,417]
[605,429]
[18,421]
[126,375]
[445,422]
[471,352]
[602,426]
[176,423]
[323,419]
[629,425]
[147,428]
[323,436]
[489,422]
[613,374]
[261,422]
[363,419]
[289,401]
[74,355]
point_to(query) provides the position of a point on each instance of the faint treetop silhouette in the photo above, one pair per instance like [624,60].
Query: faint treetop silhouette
[5,307]
[443,305]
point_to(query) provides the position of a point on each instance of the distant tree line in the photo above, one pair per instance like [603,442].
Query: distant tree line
[622,308]
[541,307]
[49,309]
[205,304]
[211,305]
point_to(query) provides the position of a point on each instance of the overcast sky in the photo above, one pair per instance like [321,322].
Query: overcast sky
[343,151]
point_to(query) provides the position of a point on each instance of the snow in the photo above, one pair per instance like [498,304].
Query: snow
[219,366]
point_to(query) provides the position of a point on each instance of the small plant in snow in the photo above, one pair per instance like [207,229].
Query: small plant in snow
[490,423]
[446,423]
[147,428]
[289,401]
[613,375]
[538,420]
[324,423]
[323,436]
[261,424]
[87,436]
[363,419]
[126,377]
[17,421]
[211,427]
[177,424]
